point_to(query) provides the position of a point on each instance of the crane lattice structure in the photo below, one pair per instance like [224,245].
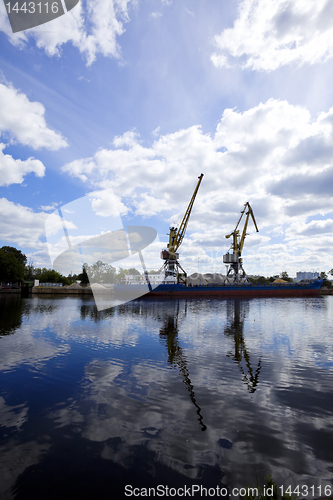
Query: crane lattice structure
[171,265]
[235,269]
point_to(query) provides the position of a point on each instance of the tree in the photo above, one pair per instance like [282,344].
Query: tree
[326,282]
[29,271]
[121,274]
[260,280]
[99,272]
[11,269]
[50,276]
[83,277]
[133,271]
[284,276]
[17,254]
[73,277]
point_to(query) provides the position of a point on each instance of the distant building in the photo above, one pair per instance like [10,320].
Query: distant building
[305,275]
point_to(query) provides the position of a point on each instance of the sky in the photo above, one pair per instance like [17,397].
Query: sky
[131,100]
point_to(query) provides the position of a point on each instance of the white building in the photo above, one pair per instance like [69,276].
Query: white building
[306,275]
[154,279]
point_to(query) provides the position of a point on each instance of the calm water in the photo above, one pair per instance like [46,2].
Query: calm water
[186,392]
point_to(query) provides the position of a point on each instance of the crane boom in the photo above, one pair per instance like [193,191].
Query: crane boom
[250,212]
[175,244]
[176,237]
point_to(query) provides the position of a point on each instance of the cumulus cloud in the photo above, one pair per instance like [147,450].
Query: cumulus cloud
[92,26]
[259,155]
[269,34]
[20,225]
[13,171]
[251,153]
[25,122]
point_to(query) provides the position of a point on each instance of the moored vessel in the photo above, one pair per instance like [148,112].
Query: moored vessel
[225,291]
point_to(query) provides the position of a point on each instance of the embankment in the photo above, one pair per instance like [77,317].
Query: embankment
[60,290]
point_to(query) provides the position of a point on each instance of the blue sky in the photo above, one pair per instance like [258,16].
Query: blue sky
[140,97]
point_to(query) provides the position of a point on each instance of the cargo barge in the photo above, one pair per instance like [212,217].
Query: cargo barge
[224,291]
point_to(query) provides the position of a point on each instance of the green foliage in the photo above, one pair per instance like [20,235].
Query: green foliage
[122,273]
[83,277]
[284,276]
[29,271]
[11,269]
[323,276]
[14,267]
[261,280]
[17,254]
[49,276]
[99,272]
[72,278]
[133,271]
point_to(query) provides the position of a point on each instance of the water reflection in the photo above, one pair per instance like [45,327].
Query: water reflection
[11,311]
[100,397]
[176,356]
[236,314]
[91,312]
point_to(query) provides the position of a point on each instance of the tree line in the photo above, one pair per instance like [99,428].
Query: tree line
[14,268]
[261,280]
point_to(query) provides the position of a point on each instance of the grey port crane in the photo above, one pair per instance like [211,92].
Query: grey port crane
[234,260]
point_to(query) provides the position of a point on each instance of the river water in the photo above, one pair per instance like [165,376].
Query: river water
[210,393]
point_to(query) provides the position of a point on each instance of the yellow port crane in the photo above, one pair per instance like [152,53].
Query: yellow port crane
[176,236]
[234,260]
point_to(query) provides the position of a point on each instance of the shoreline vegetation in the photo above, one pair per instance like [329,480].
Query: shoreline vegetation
[15,269]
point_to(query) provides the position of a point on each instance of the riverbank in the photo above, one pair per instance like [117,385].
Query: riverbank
[87,291]
[60,290]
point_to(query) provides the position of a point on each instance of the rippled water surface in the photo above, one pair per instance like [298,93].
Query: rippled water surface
[186,392]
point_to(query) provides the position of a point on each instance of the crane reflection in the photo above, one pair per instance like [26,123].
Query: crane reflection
[236,313]
[176,356]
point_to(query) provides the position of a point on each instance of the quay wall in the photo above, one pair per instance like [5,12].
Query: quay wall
[87,291]
[61,290]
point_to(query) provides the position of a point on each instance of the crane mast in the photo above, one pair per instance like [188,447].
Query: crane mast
[170,256]
[234,260]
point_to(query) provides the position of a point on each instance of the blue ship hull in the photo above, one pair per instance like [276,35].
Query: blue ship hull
[226,290]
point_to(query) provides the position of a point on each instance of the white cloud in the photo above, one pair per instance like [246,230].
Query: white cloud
[260,155]
[92,26]
[105,205]
[250,153]
[21,226]
[47,208]
[12,171]
[189,12]
[271,33]
[25,121]
[155,15]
